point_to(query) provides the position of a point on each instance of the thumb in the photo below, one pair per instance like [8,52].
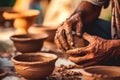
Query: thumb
[88,37]
[79,27]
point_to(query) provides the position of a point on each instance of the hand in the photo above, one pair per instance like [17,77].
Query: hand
[63,37]
[97,52]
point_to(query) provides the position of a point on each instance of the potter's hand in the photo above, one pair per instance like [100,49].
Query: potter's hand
[85,14]
[63,37]
[97,52]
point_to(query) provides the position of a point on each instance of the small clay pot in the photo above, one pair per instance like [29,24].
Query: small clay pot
[3,73]
[28,42]
[34,66]
[79,41]
[47,29]
[101,73]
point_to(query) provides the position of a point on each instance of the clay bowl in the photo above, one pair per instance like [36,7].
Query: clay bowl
[47,29]
[3,73]
[34,66]
[79,41]
[28,42]
[101,73]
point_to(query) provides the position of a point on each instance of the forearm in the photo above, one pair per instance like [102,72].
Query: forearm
[115,50]
[88,11]
[115,43]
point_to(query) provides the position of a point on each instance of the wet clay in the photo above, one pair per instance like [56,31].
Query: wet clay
[28,42]
[34,66]
[79,41]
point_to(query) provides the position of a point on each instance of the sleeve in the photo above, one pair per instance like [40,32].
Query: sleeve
[98,2]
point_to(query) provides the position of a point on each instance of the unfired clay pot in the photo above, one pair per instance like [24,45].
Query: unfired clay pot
[23,19]
[101,73]
[34,66]
[28,42]
[47,29]
[79,41]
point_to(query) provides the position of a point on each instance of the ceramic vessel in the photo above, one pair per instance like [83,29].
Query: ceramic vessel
[101,73]
[47,29]
[34,66]
[28,42]
[79,41]
[23,19]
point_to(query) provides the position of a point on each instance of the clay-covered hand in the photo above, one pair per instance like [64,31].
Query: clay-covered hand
[97,52]
[63,37]
[85,14]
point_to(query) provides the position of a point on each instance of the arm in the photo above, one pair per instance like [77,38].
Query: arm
[85,14]
[99,51]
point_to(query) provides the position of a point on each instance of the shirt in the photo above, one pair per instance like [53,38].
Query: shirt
[115,21]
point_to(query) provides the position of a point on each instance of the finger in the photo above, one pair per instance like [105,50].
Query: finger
[77,51]
[68,33]
[86,64]
[79,27]
[92,61]
[79,59]
[62,40]
[58,44]
[88,37]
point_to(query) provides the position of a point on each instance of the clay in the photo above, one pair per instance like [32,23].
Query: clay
[101,73]
[79,41]
[28,42]
[23,19]
[65,72]
[34,66]
[50,30]
[3,73]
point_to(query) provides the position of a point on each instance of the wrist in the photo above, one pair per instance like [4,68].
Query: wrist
[79,12]
[115,43]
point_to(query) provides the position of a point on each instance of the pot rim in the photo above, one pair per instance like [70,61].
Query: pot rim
[53,56]
[40,37]
[13,14]
[87,73]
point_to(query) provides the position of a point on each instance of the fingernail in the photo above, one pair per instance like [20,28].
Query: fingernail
[71,43]
[66,48]
[78,34]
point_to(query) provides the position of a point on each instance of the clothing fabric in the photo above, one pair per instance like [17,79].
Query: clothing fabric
[115,22]
[97,28]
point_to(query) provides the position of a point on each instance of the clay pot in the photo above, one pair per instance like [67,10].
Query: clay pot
[23,19]
[47,29]
[34,66]
[28,42]
[79,41]
[101,73]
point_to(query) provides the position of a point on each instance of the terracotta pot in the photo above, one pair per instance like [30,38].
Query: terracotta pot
[79,41]
[34,66]
[47,29]
[101,73]
[23,19]
[28,42]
